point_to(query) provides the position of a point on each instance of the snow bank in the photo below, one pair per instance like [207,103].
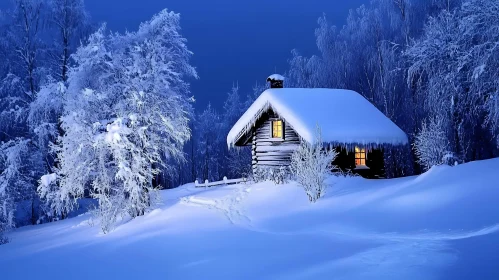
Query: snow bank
[344,116]
[441,225]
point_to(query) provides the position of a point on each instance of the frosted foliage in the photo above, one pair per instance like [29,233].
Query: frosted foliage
[239,162]
[44,112]
[12,103]
[277,175]
[481,17]
[257,89]
[233,107]
[15,182]
[431,144]
[71,21]
[464,87]
[126,115]
[494,115]
[311,165]
[371,52]
[49,192]
[209,144]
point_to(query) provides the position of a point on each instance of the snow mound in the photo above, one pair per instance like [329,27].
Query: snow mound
[344,116]
[443,224]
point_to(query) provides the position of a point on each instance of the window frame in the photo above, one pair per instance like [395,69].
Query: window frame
[360,153]
[272,129]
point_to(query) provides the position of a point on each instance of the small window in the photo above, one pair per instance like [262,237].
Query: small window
[360,156]
[277,131]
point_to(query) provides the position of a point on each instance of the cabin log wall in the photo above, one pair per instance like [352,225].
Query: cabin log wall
[268,152]
[273,152]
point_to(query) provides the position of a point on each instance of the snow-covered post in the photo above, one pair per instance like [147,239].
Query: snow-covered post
[196,183]
[206,183]
[225,180]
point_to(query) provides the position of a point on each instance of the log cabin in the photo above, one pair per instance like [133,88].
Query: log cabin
[280,118]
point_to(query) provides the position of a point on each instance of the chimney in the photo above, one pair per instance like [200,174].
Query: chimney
[276,81]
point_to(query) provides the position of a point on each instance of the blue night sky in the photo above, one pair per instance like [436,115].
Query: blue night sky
[232,41]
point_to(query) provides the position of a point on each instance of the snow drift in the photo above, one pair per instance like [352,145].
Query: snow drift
[440,225]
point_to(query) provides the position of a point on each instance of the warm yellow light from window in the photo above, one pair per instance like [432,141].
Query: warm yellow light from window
[360,156]
[277,129]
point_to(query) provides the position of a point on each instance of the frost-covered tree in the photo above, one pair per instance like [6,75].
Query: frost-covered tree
[233,107]
[479,24]
[303,71]
[43,118]
[126,112]
[413,60]
[236,162]
[493,117]
[10,190]
[257,89]
[25,34]
[365,56]
[453,66]
[30,100]
[210,149]
[71,21]
[17,180]
[431,144]
[22,51]
[311,164]
[12,108]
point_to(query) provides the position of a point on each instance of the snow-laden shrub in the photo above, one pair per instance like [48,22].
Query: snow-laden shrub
[48,192]
[278,175]
[432,145]
[259,175]
[311,164]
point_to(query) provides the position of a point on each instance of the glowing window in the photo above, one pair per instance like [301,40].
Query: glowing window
[360,156]
[277,129]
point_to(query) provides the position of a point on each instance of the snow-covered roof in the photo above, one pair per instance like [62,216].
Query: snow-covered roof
[344,116]
[275,77]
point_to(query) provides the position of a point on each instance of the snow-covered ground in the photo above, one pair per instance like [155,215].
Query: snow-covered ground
[443,224]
